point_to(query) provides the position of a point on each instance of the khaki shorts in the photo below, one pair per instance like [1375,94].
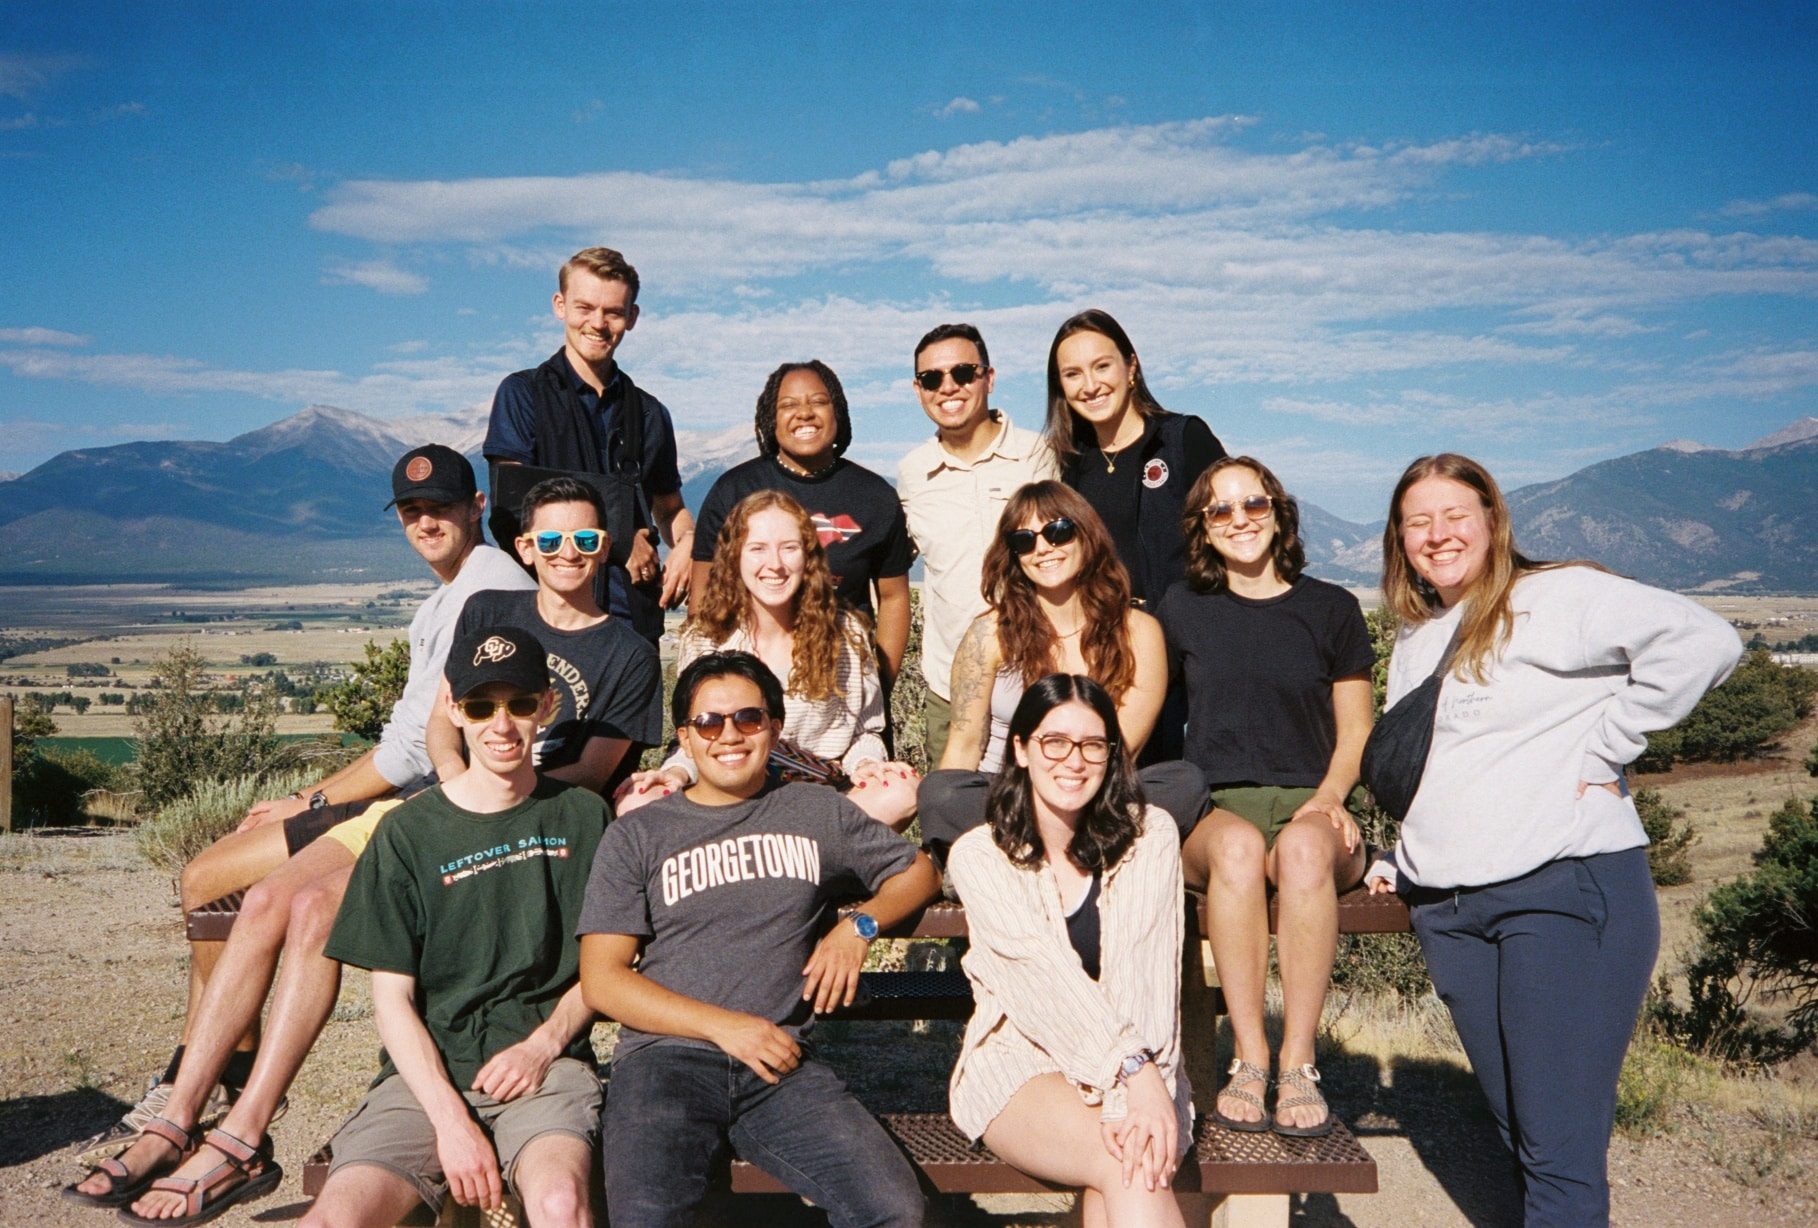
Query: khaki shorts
[354,834]
[389,1129]
[937,722]
[1268,808]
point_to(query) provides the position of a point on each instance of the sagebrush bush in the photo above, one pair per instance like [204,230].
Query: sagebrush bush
[50,785]
[185,827]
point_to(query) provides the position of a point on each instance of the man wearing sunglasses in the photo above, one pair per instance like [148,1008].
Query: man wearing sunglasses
[607,677]
[709,932]
[293,879]
[464,907]
[953,489]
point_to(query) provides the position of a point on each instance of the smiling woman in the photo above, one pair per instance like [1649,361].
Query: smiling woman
[803,428]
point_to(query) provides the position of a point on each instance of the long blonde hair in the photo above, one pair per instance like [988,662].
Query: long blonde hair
[1489,616]
[821,622]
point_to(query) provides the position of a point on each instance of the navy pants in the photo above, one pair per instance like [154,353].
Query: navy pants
[1544,976]
[672,1109]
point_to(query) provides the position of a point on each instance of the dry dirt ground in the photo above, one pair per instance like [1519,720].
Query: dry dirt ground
[91,989]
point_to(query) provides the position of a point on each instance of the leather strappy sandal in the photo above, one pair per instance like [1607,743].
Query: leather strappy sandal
[1304,1080]
[244,1173]
[122,1186]
[1244,1072]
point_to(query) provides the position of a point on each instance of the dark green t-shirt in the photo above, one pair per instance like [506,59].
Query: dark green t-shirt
[481,910]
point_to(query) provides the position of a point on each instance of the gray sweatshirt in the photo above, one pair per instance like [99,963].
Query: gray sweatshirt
[1594,663]
[401,757]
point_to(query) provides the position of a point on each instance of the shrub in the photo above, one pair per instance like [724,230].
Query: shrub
[363,703]
[1669,840]
[1737,720]
[909,694]
[1757,935]
[87,669]
[1655,1077]
[49,786]
[185,827]
[182,741]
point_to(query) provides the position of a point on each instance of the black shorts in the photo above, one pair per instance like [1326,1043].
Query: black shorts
[301,831]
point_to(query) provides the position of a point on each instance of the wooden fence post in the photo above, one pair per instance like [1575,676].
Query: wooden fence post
[6,763]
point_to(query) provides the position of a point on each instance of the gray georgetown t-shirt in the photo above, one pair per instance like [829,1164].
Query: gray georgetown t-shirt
[731,900]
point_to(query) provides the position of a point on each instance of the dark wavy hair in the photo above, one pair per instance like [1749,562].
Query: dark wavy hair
[725,665]
[766,407]
[560,490]
[1205,565]
[1025,638]
[1108,825]
[947,332]
[1067,432]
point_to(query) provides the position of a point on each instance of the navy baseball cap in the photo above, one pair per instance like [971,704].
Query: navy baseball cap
[434,472]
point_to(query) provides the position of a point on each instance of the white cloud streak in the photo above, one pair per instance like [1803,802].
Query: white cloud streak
[380,275]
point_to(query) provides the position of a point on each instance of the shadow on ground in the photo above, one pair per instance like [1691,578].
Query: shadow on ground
[1440,1110]
[33,1126]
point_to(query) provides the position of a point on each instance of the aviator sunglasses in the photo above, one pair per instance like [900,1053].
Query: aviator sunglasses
[747,721]
[479,711]
[1256,507]
[1058,531]
[549,542]
[963,373]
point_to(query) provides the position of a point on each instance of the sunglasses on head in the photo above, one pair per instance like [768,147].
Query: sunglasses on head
[747,721]
[1256,507]
[1057,746]
[480,711]
[963,373]
[548,542]
[1058,531]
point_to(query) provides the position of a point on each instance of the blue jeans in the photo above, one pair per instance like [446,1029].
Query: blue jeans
[1544,976]
[672,1109]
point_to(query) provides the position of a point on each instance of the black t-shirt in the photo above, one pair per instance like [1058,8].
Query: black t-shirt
[731,900]
[1083,929]
[857,513]
[481,910]
[1116,493]
[1259,678]
[608,676]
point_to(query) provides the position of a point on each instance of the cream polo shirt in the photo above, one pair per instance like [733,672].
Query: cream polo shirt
[952,507]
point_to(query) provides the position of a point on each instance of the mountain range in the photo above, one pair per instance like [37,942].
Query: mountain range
[302,500]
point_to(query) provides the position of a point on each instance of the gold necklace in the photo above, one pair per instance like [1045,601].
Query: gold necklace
[1111,454]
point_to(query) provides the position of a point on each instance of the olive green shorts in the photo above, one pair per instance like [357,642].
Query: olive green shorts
[1268,808]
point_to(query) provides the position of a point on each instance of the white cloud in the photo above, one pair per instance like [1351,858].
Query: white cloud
[1756,208]
[959,106]
[380,275]
[41,336]
[25,76]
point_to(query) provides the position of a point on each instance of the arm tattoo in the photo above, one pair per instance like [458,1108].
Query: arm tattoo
[973,676]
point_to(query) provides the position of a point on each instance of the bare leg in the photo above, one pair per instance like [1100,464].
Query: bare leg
[551,1178]
[891,800]
[1308,864]
[232,1000]
[1231,860]
[1049,1132]
[233,863]
[307,987]
[362,1196]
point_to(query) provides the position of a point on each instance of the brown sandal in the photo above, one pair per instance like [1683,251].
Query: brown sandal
[122,1186]
[244,1173]
[1304,1080]
[1244,1072]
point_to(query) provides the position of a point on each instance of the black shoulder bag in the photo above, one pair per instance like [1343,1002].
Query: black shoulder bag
[1395,757]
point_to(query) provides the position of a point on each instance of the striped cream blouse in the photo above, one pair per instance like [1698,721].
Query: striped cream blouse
[1037,1012]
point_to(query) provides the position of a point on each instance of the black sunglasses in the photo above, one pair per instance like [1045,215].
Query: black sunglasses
[1058,531]
[963,373]
[480,711]
[747,721]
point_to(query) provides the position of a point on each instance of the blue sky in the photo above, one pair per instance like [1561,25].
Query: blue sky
[1345,235]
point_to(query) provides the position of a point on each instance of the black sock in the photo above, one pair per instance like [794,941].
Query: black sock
[239,1068]
[170,1071]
